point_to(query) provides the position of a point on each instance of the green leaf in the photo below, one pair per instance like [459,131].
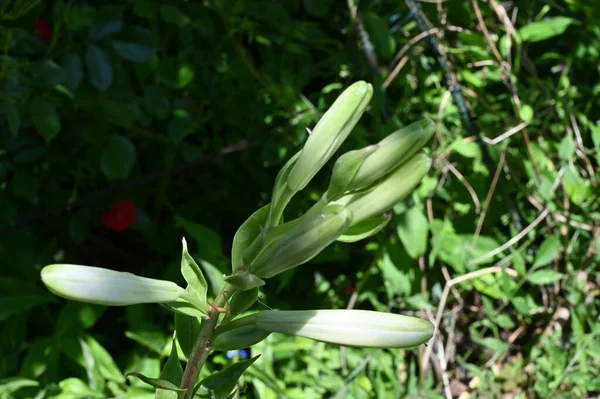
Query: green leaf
[74,68]
[545,29]
[494,344]
[547,252]
[157,103]
[156,382]
[566,148]
[75,388]
[223,382]
[526,113]
[109,21]
[180,126]
[213,275]
[468,149]
[17,296]
[99,68]
[13,384]
[246,234]
[172,371]
[317,8]
[542,277]
[45,118]
[117,158]
[413,229]
[41,357]
[26,185]
[173,15]
[208,241]
[11,113]
[134,52]
[151,337]
[378,30]
[186,329]
[106,364]
[192,274]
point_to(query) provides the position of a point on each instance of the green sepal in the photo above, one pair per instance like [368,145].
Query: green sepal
[344,170]
[242,301]
[193,275]
[224,382]
[186,329]
[366,228]
[244,281]
[247,234]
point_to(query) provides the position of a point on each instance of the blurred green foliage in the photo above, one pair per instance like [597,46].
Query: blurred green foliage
[188,110]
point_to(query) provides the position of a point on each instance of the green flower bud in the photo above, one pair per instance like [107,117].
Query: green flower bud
[361,328]
[359,169]
[329,133]
[305,240]
[390,190]
[107,287]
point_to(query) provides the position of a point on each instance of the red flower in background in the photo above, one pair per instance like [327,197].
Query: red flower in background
[43,30]
[121,217]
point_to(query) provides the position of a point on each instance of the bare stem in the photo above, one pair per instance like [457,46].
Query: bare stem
[201,348]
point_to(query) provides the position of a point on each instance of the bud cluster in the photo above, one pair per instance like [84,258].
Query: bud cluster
[364,186]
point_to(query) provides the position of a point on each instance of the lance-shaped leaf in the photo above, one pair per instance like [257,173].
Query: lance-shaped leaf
[172,373]
[390,190]
[223,382]
[107,287]
[358,169]
[303,242]
[360,328]
[197,289]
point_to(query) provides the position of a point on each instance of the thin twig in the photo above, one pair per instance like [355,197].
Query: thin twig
[513,240]
[444,298]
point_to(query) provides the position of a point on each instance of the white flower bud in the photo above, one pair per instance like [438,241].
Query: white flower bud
[107,287]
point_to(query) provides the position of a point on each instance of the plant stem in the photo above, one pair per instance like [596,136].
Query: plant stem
[201,349]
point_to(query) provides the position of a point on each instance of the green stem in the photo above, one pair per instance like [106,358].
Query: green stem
[201,348]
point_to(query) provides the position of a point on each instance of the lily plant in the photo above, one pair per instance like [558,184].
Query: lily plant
[365,184]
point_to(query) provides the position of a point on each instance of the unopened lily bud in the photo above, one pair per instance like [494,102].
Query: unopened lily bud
[303,242]
[390,190]
[361,328]
[107,287]
[379,159]
[329,133]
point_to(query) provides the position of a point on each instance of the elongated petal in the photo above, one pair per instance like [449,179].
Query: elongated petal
[359,328]
[329,133]
[106,287]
